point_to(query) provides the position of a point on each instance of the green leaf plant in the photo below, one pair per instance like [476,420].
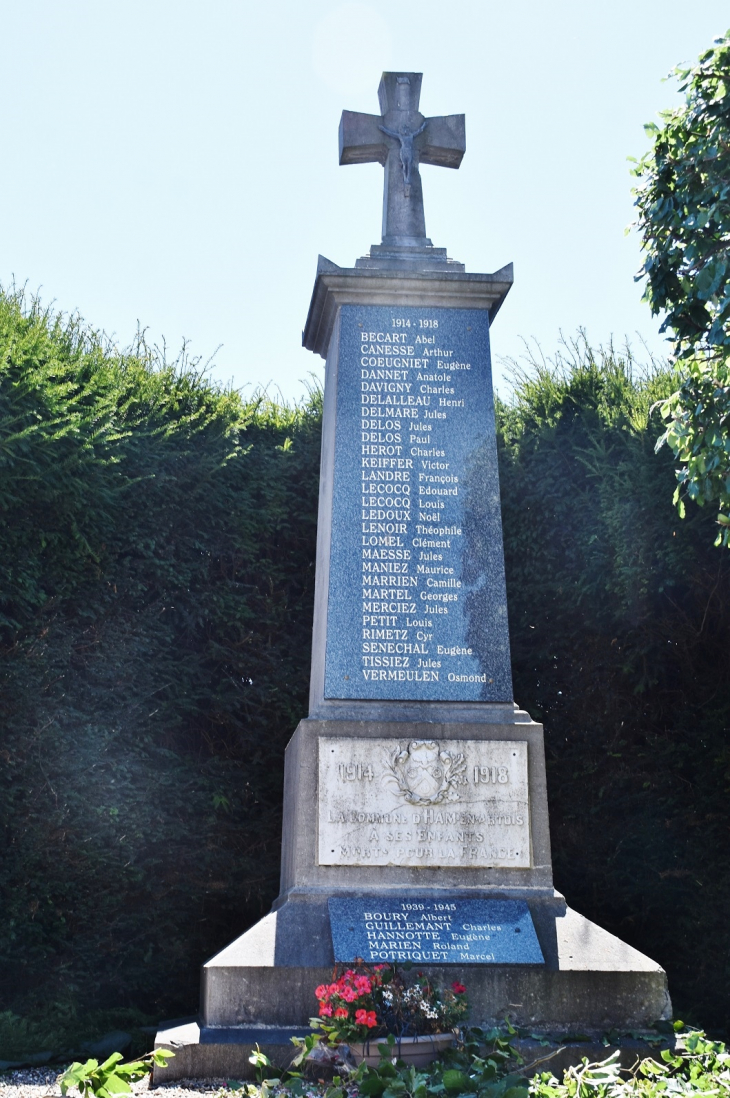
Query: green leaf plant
[697,1065]
[486,1065]
[112,1077]
[683,201]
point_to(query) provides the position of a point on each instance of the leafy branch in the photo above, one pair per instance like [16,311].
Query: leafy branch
[112,1077]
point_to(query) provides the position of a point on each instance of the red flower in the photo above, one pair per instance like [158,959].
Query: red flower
[341,1012]
[321,992]
[361,1017]
[458,988]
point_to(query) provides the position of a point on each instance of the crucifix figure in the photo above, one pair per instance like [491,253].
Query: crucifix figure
[400,139]
[406,150]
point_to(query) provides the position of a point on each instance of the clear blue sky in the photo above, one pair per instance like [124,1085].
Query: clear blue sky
[175,163]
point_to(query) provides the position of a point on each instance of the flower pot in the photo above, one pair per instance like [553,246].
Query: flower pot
[414,1051]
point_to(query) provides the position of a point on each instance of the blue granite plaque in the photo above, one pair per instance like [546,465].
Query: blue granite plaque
[428,931]
[417,607]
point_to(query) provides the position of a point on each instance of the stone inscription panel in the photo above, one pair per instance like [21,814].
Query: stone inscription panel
[423,803]
[417,607]
[444,931]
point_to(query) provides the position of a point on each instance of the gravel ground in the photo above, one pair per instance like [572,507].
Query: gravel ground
[43,1083]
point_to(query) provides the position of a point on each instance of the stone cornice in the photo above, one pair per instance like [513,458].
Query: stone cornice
[335,286]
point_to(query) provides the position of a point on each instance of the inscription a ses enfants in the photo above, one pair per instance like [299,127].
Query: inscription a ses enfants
[423,803]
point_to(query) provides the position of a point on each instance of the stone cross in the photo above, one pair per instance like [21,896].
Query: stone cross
[400,139]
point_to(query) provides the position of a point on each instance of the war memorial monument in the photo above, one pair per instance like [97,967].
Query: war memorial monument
[415,806]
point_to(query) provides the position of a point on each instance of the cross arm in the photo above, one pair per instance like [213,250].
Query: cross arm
[445,141]
[361,140]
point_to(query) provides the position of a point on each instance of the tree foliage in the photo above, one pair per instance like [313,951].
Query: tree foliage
[619,617]
[684,218]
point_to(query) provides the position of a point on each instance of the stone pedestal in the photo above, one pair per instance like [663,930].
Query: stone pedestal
[360,817]
[260,988]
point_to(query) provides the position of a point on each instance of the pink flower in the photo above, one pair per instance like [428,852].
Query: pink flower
[325,1011]
[363,985]
[321,992]
[458,988]
[348,994]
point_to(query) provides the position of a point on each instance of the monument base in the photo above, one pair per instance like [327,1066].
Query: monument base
[590,978]
[260,988]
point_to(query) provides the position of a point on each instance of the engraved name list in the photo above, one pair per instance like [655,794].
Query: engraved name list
[416,606]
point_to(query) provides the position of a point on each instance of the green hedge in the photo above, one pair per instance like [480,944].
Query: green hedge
[156,586]
[157,565]
[620,625]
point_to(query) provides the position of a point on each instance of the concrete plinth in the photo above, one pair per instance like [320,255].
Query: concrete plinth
[209,1054]
[202,1052]
[590,978]
[591,981]
[260,988]
[303,875]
